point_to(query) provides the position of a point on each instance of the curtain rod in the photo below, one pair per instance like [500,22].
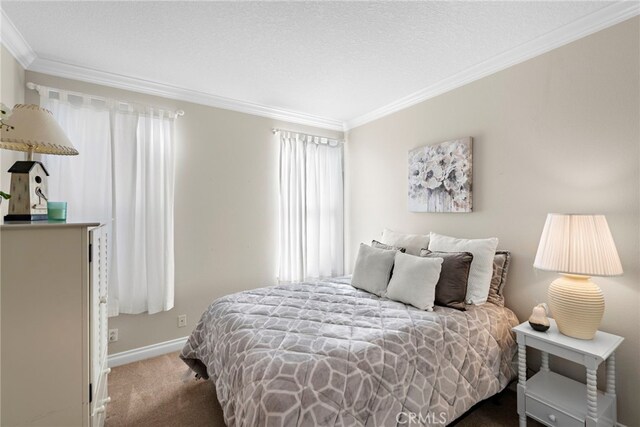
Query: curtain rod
[277,130]
[38,88]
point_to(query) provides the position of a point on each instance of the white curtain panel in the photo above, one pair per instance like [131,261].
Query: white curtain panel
[311,208]
[124,177]
[90,131]
[84,181]
[144,189]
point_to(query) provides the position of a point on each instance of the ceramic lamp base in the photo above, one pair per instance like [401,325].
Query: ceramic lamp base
[577,305]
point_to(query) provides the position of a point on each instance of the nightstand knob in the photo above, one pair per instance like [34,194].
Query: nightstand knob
[103,300]
[552,418]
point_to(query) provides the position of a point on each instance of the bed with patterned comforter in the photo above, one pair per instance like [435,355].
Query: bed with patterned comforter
[326,354]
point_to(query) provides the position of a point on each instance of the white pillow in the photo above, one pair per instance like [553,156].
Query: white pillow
[411,242]
[373,269]
[483,251]
[414,280]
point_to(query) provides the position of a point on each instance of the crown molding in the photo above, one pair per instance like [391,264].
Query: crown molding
[11,38]
[75,72]
[596,21]
[16,44]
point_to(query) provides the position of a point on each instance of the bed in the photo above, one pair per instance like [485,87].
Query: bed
[325,353]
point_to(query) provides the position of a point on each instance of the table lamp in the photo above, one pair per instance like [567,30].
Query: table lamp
[577,247]
[34,130]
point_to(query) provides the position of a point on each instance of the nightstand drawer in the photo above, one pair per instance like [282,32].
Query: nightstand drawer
[550,416]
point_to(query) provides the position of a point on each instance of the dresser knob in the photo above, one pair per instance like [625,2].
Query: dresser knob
[552,418]
[103,300]
[107,400]
[100,409]
[107,371]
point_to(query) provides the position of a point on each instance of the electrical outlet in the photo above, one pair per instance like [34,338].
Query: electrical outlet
[113,335]
[182,321]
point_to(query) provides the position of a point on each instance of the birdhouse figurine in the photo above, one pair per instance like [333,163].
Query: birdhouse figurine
[28,192]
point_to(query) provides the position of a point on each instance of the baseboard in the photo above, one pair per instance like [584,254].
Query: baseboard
[146,352]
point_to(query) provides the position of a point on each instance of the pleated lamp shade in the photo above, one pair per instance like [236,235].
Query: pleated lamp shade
[34,130]
[578,244]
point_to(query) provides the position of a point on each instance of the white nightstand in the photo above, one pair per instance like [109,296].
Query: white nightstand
[555,400]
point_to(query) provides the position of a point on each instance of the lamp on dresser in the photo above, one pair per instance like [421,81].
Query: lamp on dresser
[34,130]
[578,247]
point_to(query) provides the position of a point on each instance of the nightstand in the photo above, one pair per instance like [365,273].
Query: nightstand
[555,400]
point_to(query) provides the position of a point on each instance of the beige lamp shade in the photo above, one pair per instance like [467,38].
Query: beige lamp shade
[578,244]
[34,131]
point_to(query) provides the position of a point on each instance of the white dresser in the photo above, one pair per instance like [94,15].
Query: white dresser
[54,324]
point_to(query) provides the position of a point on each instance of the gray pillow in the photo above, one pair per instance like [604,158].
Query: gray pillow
[414,280]
[501,262]
[452,285]
[373,269]
[376,244]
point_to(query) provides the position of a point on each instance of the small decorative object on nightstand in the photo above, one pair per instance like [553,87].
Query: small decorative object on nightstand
[578,247]
[538,319]
[555,400]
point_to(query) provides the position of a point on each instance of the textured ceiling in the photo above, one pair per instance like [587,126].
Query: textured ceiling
[331,59]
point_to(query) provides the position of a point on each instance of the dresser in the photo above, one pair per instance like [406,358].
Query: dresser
[54,330]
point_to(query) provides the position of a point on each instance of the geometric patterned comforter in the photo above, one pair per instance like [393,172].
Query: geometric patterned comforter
[326,354]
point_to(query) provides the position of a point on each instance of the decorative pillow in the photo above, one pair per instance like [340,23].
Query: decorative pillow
[451,289]
[412,242]
[376,244]
[414,280]
[483,251]
[373,269]
[501,262]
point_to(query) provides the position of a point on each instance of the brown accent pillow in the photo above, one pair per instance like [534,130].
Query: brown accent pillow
[376,244]
[451,288]
[501,262]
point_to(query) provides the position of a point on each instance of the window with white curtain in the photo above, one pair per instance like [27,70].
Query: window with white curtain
[311,207]
[124,177]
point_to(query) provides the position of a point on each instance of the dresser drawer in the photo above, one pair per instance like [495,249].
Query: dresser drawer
[548,415]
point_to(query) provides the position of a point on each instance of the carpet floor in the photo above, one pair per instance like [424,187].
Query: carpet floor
[154,393]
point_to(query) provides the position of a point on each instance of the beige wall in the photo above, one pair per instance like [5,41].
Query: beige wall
[12,79]
[11,93]
[225,208]
[558,133]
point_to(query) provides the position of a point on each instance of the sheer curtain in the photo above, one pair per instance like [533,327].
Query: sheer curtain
[311,207]
[144,187]
[124,177]
[83,181]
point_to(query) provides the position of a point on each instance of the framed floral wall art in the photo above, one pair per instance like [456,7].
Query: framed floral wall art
[440,177]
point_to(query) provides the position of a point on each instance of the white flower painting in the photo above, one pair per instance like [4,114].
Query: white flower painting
[440,177]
